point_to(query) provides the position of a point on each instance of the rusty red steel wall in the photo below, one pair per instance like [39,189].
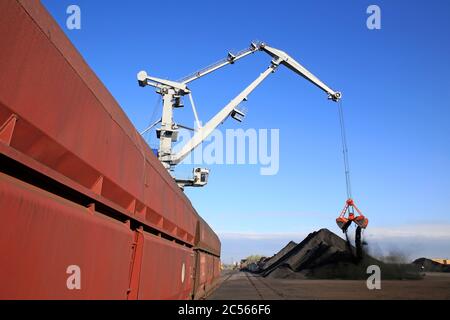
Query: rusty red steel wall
[171,270]
[69,122]
[42,235]
[58,119]
[217,267]
[206,239]
[207,273]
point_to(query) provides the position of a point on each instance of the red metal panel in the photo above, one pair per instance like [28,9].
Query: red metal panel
[206,239]
[210,268]
[166,270]
[68,126]
[42,234]
[154,194]
[217,268]
[207,273]
[72,124]
[200,275]
[203,268]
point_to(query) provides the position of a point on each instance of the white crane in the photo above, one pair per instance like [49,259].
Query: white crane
[173,91]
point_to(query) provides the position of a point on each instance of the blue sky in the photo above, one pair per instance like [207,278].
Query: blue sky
[396,87]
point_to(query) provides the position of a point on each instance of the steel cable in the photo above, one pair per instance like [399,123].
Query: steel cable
[345,151]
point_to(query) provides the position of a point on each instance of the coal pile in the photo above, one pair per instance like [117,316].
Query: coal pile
[324,255]
[276,258]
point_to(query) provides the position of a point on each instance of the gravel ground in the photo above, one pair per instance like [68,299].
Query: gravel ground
[243,285]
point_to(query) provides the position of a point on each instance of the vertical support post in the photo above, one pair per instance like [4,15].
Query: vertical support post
[165,139]
[135,272]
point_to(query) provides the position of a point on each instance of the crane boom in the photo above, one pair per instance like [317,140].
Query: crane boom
[172,91]
[276,54]
[230,59]
[293,65]
[212,124]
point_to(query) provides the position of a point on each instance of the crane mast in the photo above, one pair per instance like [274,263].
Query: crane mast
[173,91]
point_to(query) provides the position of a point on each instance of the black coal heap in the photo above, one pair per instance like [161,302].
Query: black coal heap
[324,255]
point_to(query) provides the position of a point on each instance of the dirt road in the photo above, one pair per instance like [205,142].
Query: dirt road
[243,285]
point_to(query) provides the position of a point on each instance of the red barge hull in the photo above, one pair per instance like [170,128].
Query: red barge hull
[80,187]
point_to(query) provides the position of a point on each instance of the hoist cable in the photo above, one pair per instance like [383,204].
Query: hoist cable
[345,151]
[359,251]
